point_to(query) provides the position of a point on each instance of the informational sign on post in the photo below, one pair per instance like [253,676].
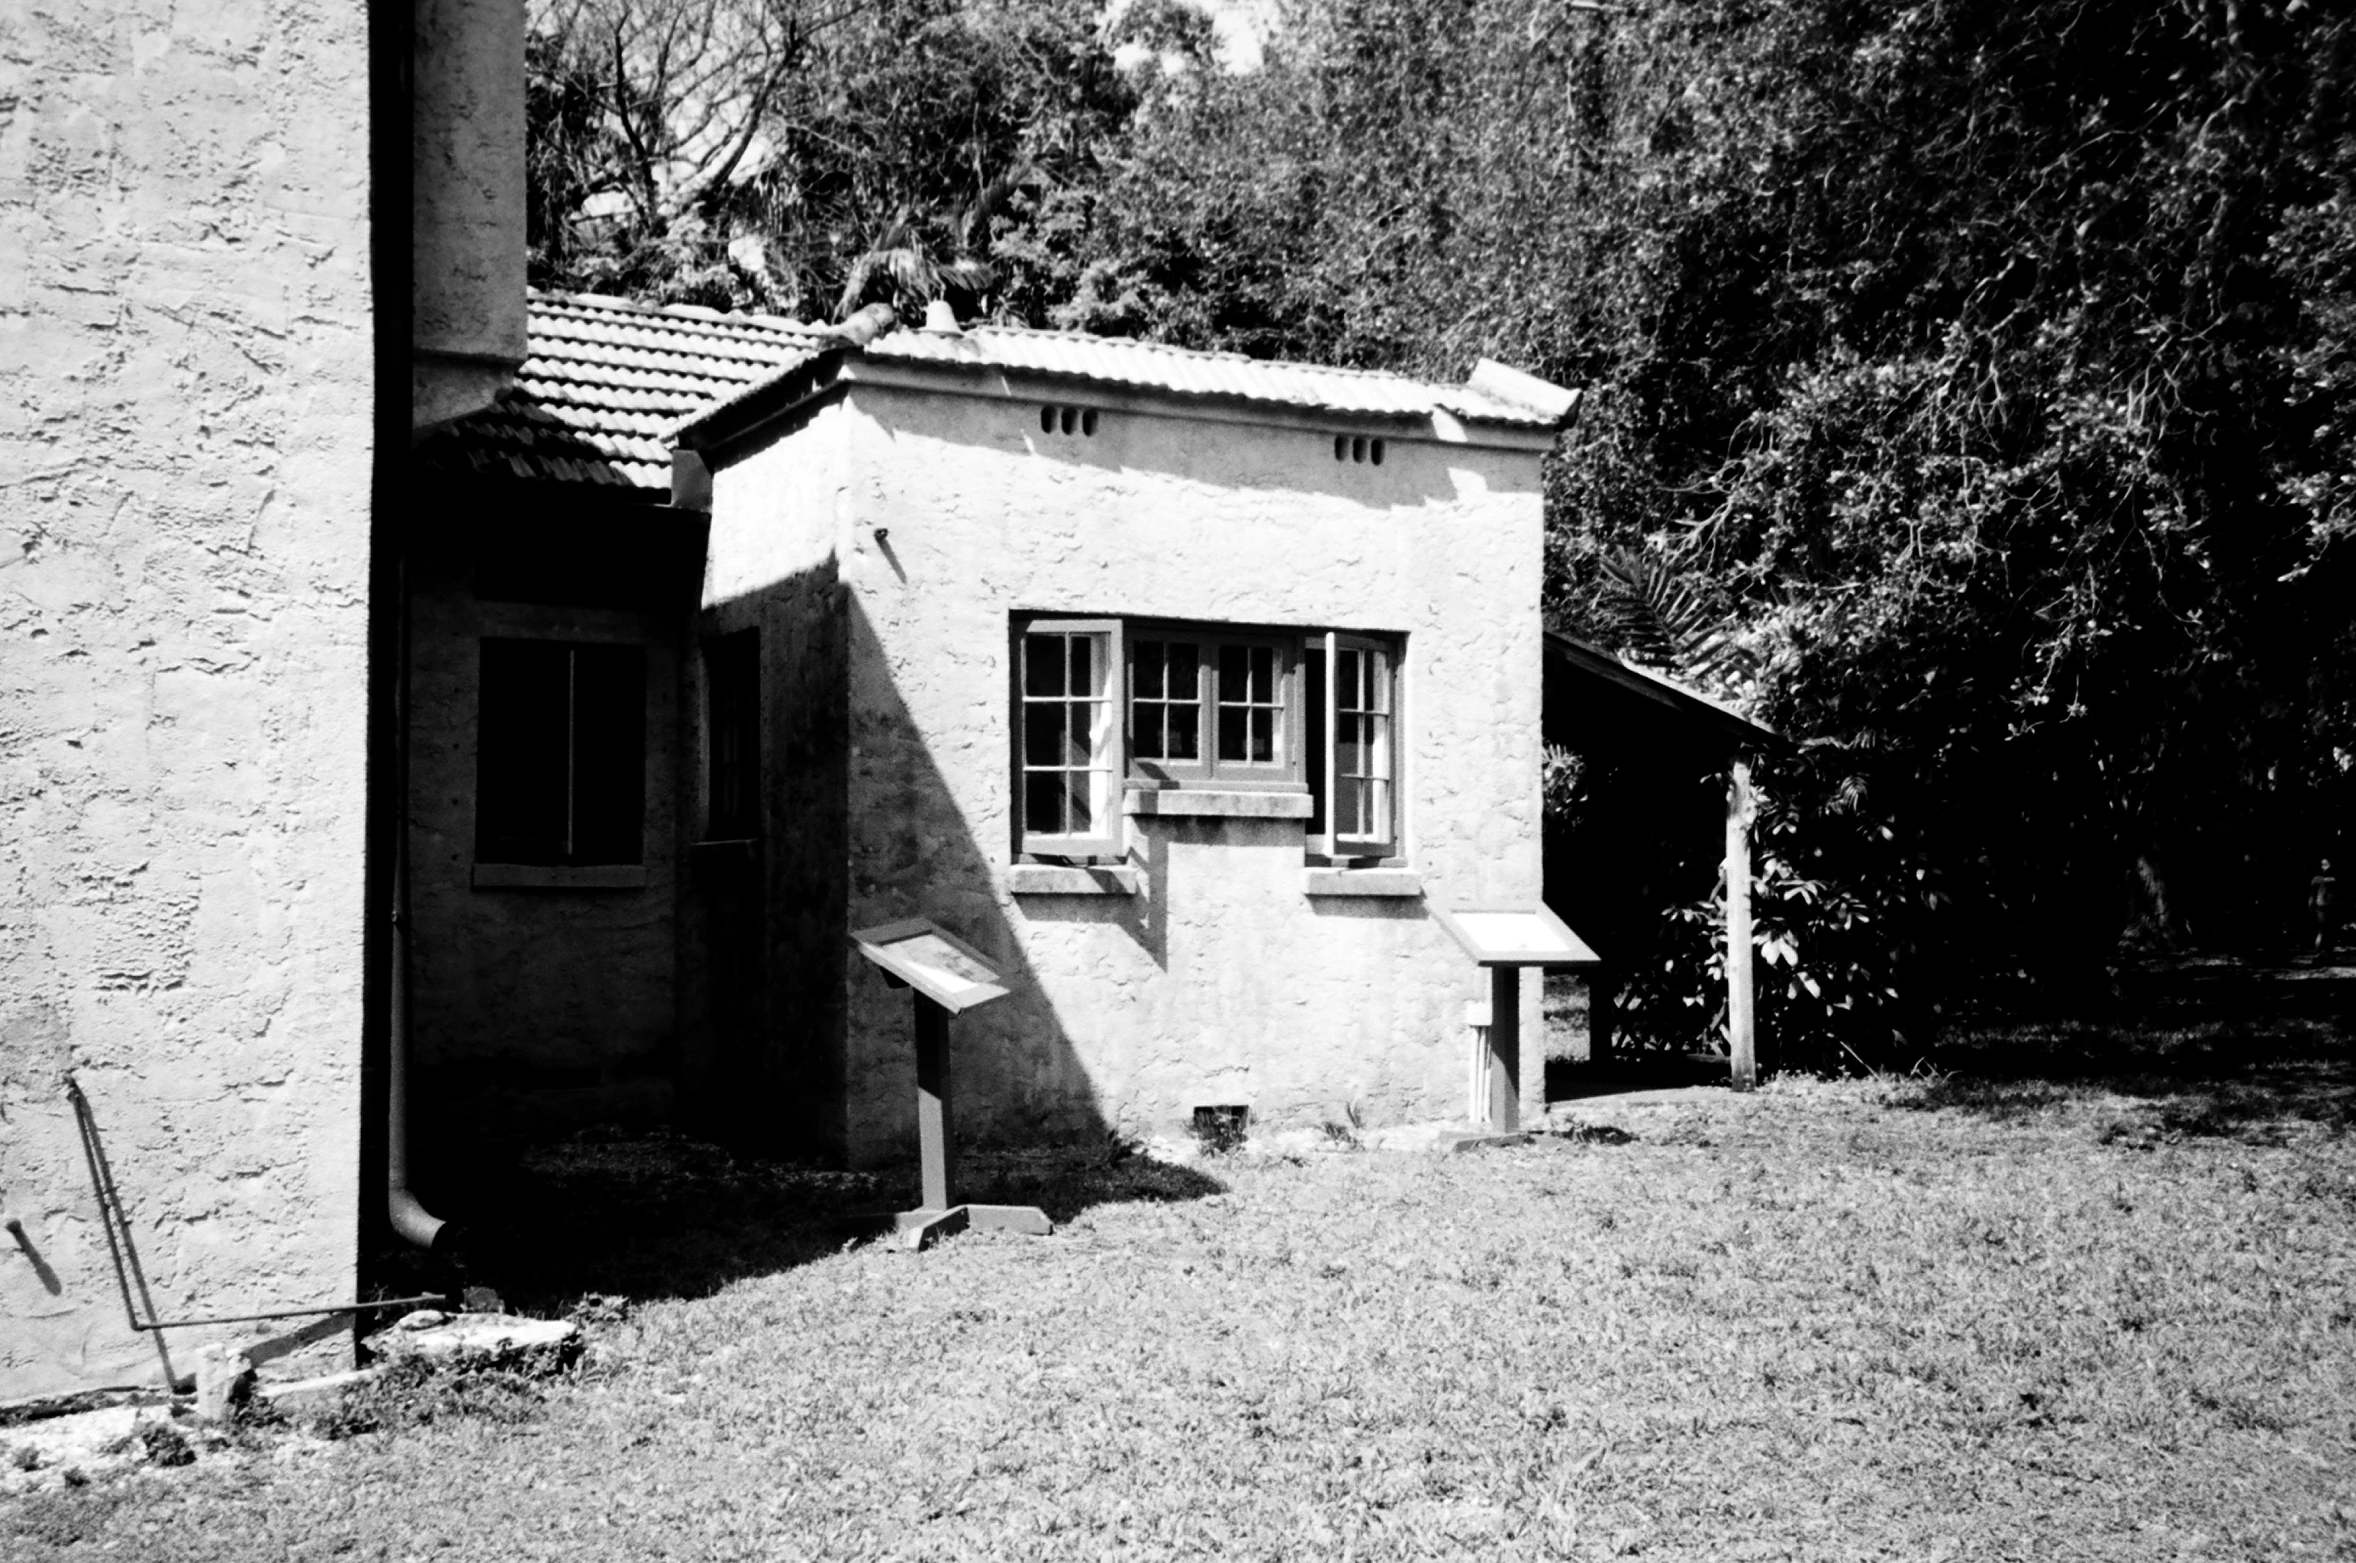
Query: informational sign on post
[1505,939]
[947,976]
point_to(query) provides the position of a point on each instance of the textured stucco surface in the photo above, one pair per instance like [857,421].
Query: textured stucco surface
[1221,982]
[185,395]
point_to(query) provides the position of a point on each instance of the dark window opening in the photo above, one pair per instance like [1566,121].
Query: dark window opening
[560,761]
[732,674]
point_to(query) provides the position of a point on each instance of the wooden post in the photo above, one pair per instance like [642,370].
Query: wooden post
[1599,1016]
[1505,1049]
[934,1131]
[1739,1034]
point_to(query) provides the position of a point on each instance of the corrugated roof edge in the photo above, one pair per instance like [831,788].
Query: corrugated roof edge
[779,392]
[1596,662]
[1537,401]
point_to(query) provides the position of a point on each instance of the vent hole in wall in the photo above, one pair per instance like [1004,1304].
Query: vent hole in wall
[1359,448]
[1067,420]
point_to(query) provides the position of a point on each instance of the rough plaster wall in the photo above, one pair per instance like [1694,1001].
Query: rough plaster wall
[185,404]
[1223,982]
[531,1010]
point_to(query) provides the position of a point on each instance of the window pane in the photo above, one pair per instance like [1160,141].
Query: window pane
[1234,677]
[1231,732]
[1185,732]
[1043,733]
[609,754]
[1145,669]
[1078,786]
[523,752]
[1083,672]
[1349,751]
[1080,732]
[1043,664]
[1185,671]
[1043,802]
[1145,731]
[1350,693]
[1263,673]
[1263,734]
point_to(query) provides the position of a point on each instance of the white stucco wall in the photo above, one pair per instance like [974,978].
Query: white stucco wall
[1222,982]
[185,393]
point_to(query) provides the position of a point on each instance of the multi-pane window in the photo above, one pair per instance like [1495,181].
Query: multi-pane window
[1163,706]
[1070,749]
[1360,799]
[1210,707]
[1251,704]
[1165,701]
[560,757]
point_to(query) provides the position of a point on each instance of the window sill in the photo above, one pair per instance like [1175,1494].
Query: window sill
[1234,805]
[542,876]
[1401,882]
[1055,879]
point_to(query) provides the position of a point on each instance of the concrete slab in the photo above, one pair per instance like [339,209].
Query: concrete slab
[478,1340]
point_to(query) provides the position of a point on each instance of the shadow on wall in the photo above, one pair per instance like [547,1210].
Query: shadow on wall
[793,1046]
[1016,1075]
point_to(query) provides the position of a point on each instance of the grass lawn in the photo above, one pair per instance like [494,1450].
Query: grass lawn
[2045,1311]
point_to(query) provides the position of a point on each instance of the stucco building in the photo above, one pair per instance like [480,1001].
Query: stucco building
[1175,682]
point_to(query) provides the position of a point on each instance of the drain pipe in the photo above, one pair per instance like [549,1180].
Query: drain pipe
[410,1219]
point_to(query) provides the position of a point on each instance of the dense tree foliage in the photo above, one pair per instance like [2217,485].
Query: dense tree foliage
[1985,373]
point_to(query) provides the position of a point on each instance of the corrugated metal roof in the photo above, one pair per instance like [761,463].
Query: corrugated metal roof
[605,381]
[1156,366]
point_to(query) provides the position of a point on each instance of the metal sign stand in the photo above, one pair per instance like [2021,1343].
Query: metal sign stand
[946,976]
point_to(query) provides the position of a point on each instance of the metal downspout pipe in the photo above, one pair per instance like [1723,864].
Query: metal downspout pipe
[410,1219]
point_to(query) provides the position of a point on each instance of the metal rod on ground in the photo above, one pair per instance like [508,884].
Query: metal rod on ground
[1741,1043]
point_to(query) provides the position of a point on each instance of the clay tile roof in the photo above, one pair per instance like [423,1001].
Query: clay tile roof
[1156,366]
[603,383]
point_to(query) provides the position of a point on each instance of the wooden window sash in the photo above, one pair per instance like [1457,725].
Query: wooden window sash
[1106,770]
[1285,773]
[1346,834]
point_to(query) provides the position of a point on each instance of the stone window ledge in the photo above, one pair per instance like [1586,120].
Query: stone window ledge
[1056,879]
[1401,882]
[539,876]
[1234,805]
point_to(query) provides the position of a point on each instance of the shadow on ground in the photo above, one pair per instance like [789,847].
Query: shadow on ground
[2206,1047]
[649,1215]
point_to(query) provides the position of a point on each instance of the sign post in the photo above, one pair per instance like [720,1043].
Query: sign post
[1506,939]
[947,976]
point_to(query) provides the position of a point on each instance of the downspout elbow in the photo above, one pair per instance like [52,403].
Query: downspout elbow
[412,1220]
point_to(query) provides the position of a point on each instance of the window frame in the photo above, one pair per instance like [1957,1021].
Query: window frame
[1323,840]
[572,856]
[1107,750]
[1288,772]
